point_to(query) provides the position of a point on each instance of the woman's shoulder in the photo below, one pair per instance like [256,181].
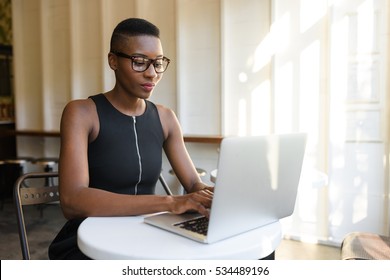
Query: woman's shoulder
[160,107]
[79,116]
[79,107]
[169,121]
[165,112]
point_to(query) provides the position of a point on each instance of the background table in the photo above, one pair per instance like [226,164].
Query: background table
[130,238]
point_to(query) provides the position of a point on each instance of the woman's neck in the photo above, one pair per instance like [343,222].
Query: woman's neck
[128,105]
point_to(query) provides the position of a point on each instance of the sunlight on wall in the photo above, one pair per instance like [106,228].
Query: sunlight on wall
[311,12]
[243,77]
[309,90]
[339,59]
[255,110]
[284,98]
[367,67]
[281,33]
[366,27]
[263,53]
[261,109]
[276,41]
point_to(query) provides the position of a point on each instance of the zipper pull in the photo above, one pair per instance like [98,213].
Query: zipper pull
[135,121]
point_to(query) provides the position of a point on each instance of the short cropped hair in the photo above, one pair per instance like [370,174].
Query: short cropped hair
[132,27]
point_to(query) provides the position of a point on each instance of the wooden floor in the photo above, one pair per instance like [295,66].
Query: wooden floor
[42,230]
[297,250]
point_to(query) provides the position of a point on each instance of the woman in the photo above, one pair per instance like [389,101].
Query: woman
[111,143]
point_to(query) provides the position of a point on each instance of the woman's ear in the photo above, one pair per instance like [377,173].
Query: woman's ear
[112,61]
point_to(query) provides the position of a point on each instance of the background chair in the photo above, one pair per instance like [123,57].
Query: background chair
[48,164]
[10,170]
[365,246]
[24,194]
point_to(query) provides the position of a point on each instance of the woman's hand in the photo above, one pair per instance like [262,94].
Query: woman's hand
[199,201]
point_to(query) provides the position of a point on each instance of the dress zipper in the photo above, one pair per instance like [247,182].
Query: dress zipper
[139,156]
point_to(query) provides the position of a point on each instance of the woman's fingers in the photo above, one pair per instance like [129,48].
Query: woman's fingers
[199,201]
[204,197]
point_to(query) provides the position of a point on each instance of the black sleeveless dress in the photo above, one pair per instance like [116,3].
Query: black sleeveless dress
[125,158]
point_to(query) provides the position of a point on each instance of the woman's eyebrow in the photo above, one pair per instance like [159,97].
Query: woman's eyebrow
[145,56]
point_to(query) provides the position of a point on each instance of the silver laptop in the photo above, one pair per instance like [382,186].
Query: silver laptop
[257,184]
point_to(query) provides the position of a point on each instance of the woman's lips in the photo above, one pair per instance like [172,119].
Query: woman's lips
[148,86]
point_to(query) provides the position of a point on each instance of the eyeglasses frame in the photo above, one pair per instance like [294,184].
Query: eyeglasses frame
[150,61]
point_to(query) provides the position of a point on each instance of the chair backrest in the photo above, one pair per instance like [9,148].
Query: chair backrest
[164,184]
[26,195]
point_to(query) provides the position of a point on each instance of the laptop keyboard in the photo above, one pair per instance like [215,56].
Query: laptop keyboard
[198,225]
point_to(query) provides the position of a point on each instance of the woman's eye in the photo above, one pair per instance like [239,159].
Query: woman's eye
[139,62]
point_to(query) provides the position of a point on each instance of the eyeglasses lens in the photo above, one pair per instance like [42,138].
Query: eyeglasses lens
[140,64]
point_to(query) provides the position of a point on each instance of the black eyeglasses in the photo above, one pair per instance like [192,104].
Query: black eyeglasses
[140,63]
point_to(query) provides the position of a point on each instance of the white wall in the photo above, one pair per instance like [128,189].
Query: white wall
[199,66]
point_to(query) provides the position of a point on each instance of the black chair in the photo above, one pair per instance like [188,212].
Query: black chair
[29,195]
[165,185]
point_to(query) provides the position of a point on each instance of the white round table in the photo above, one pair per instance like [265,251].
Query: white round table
[130,238]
